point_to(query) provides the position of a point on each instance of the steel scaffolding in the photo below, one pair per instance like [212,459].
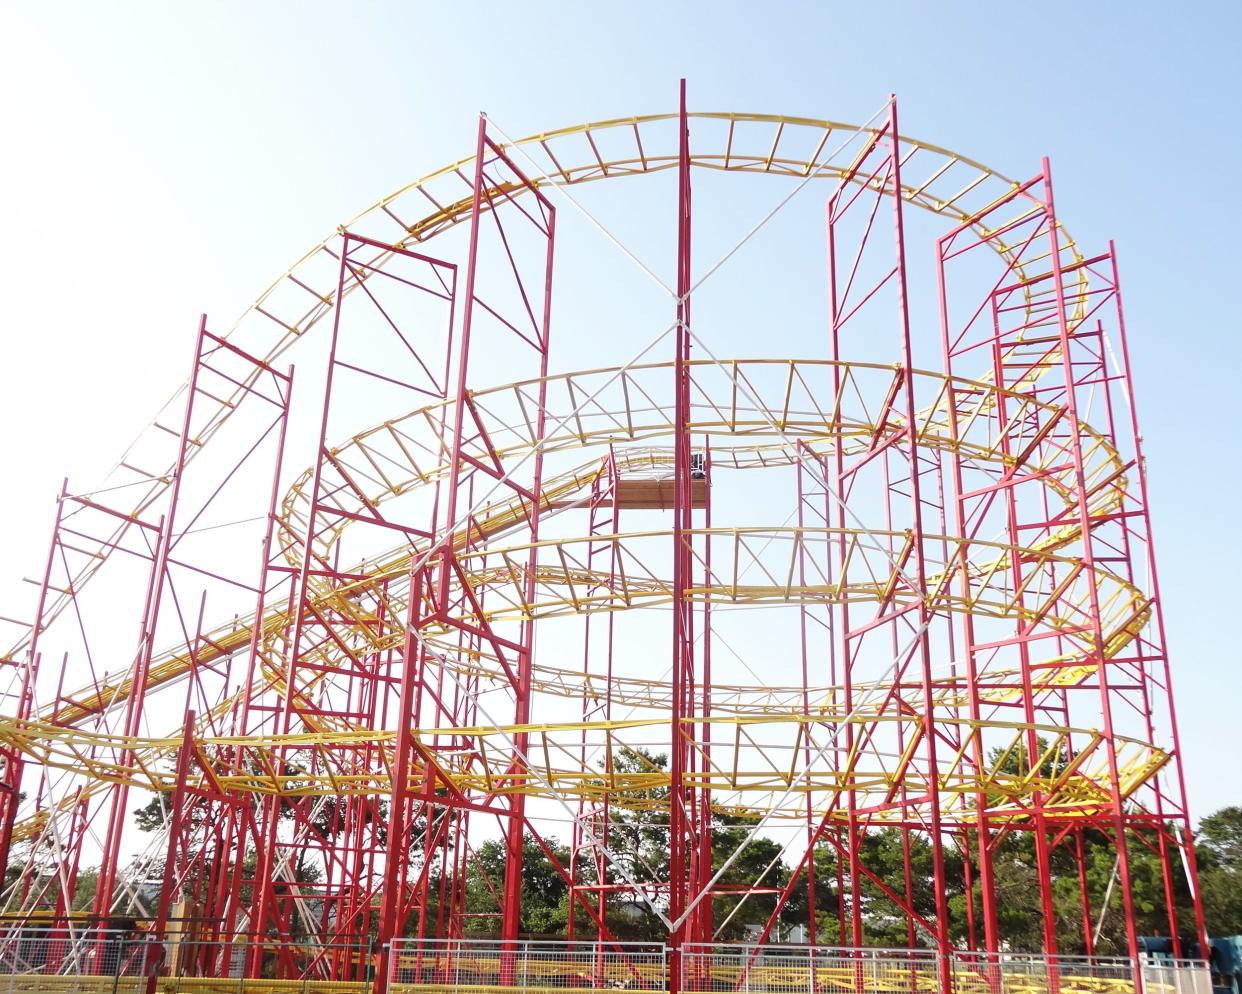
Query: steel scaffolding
[492,609]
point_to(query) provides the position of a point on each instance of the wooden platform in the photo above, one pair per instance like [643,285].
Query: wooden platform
[656,495]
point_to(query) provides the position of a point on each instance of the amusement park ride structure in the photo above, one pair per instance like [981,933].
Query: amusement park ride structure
[486,608]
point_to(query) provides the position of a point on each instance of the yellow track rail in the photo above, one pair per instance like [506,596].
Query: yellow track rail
[754,765]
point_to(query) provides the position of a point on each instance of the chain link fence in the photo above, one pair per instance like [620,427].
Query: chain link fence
[76,959]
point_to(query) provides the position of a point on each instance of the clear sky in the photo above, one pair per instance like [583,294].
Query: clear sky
[162,159]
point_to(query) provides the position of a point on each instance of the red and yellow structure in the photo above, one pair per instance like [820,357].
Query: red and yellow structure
[469,614]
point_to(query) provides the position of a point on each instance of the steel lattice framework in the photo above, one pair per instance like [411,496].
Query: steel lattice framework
[432,638]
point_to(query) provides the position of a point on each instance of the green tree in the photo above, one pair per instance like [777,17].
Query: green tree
[638,830]
[544,890]
[638,838]
[757,866]
[84,891]
[1219,853]
[1219,843]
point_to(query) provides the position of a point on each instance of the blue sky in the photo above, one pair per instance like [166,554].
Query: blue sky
[166,159]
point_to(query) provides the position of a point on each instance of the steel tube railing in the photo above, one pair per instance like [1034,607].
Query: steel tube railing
[103,961]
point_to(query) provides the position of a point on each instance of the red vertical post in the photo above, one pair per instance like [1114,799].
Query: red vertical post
[171,862]
[924,616]
[683,644]
[1187,842]
[231,901]
[446,599]
[264,879]
[511,921]
[142,665]
[982,824]
[11,785]
[851,934]
[703,835]
[398,831]
[1085,523]
[804,649]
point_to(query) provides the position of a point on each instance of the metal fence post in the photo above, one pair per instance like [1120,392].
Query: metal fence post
[116,968]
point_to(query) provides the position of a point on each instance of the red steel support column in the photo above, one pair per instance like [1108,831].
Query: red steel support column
[171,861]
[924,616]
[683,641]
[1088,557]
[982,825]
[117,813]
[1187,843]
[11,785]
[231,902]
[445,599]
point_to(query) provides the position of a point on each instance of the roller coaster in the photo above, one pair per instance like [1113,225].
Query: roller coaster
[893,570]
